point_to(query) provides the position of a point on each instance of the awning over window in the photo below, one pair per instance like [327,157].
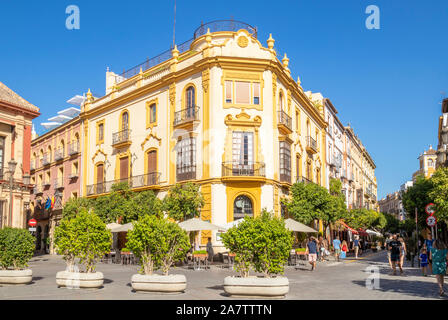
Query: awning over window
[363,233]
[349,228]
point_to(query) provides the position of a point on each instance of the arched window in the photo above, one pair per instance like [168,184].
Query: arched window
[242,207]
[190,98]
[62,148]
[124,121]
[280,101]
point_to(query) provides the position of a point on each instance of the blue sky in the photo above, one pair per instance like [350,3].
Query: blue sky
[387,83]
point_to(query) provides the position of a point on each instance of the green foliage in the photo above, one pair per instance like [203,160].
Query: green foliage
[143,203]
[73,206]
[183,201]
[64,241]
[126,204]
[85,237]
[117,204]
[16,248]
[125,250]
[366,219]
[158,243]
[418,196]
[311,201]
[439,193]
[200,252]
[392,223]
[300,249]
[261,243]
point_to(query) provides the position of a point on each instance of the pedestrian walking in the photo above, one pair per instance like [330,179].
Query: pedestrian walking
[395,251]
[402,252]
[311,250]
[210,250]
[439,255]
[356,246]
[344,249]
[323,248]
[386,244]
[424,261]
[428,242]
[337,247]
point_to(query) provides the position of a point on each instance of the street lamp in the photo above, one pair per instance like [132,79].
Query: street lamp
[12,168]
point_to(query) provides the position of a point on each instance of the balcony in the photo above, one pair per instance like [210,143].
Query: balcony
[351,177]
[37,190]
[248,169]
[59,183]
[186,118]
[46,185]
[121,139]
[32,165]
[186,172]
[59,154]
[284,122]
[304,180]
[311,145]
[146,180]
[344,174]
[150,179]
[73,148]
[45,160]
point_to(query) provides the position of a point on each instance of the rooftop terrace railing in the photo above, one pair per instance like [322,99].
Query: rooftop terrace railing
[214,26]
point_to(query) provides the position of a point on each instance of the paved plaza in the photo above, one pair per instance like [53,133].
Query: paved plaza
[332,280]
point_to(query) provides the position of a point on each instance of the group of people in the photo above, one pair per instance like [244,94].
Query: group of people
[319,249]
[433,255]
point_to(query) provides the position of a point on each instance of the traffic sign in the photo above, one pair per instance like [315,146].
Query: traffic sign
[431,221]
[31,229]
[430,209]
[32,223]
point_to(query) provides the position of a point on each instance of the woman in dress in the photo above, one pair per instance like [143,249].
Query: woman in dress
[439,255]
[402,251]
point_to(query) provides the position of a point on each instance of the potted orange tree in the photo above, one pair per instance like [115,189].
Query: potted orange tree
[158,243]
[16,249]
[263,245]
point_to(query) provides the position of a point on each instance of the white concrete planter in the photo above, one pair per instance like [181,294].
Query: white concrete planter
[16,276]
[78,280]
[173,283]
[276,287]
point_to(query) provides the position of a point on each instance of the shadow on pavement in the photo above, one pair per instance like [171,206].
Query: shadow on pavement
[412,288]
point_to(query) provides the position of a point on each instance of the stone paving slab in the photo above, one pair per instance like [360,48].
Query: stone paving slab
[345,280]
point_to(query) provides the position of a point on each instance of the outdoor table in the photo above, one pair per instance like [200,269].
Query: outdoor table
[301,257]
[231,260]
[125,258]
[199,261]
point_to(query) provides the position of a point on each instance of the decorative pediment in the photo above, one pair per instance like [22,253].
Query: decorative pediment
[300,144]
[148,137]
[99,151]
[243,119]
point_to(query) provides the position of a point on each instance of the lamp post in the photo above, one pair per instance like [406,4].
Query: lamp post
[12,168]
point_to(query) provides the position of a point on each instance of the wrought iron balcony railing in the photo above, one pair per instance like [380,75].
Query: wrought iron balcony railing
[58,183]
[304,180]
[185,172]
[59,154]
[243,169]
[224,25]
[73,148]
[186,115]
[150,179]
[45,160]
[311,143]
[284,119]
[121,137]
